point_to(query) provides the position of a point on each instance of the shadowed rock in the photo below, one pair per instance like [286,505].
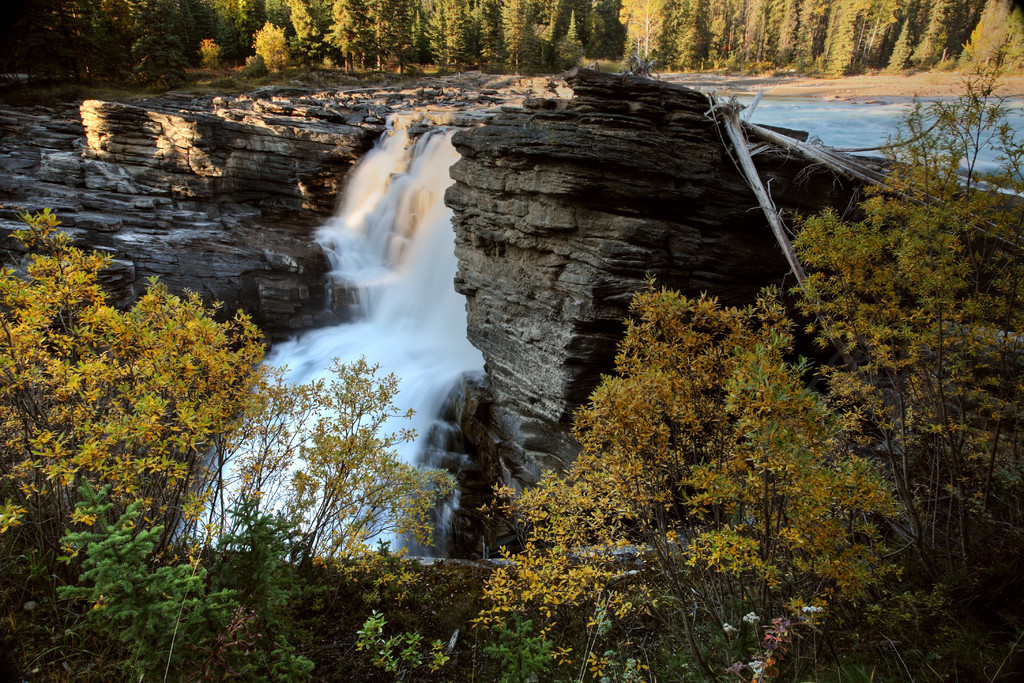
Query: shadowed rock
[563,210]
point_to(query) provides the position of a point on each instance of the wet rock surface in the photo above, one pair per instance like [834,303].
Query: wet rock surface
[563,210]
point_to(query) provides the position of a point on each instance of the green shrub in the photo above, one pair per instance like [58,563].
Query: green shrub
[255,67]
[162,613]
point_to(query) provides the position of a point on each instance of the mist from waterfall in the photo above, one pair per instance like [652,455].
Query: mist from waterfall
[391,247]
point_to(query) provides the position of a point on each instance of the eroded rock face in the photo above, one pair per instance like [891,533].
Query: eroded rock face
[219,195]
[215,199]
[563,210]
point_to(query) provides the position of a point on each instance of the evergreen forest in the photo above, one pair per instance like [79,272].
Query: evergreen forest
[158,41]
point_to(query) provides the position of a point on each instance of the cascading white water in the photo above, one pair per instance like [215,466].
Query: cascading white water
[392,245]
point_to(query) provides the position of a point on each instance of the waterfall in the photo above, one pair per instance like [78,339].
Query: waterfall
[391,248]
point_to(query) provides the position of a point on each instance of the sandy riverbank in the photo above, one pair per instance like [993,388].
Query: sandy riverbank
[880,86]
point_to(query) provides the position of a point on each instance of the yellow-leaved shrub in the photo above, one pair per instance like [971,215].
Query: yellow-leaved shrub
[707,459]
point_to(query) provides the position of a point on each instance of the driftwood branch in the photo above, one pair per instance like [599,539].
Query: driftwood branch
[729,118]
[837,164]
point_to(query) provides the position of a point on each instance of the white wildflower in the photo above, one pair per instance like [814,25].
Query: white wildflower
[751,619]
[729,629]
[812,609]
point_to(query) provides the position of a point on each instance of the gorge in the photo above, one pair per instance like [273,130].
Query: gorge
[562,209]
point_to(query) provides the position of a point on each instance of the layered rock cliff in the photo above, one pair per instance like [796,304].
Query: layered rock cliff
[218,195]
[563,210]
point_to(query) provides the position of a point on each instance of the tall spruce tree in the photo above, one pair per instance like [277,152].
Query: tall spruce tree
[841,46]
[392,30]
[447,29]
[352,32]
[900,57]
[492,40]
[934,44]
[158,47]
[521,43]
[311,22]
[606,34]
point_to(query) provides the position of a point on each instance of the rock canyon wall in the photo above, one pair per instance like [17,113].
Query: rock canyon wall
[563,210]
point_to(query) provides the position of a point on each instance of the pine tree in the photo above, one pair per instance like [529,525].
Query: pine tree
[492,41]
[552,33]
[246,17]
[391,30]
[521,43]
[420,49]
[447,30]
[900,57]
[934,45]
[788,31]
[839,57]
[279,13]
[351,32]
[607,35]
[148,609]
[311,21]
[692,35]
[569,48]
[157,49]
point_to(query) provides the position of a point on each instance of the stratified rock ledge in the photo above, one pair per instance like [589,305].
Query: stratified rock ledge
[563,210]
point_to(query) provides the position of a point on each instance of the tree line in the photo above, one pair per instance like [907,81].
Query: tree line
[158,40]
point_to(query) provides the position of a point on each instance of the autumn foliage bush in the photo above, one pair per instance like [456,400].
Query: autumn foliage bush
[762,525]
[707,458]
[926,292]
[199,451]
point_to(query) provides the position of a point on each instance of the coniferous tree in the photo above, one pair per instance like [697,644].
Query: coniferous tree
[839,56]
[392,30]
[789,30]
[553,33]
[249,17]
[279,13]
[492,40]
[112,40]
[420,48]
[607,35]
[569,48]
[688,42]
[521,42]
[352,33]
[311,21]
[50,38]
[447,30]
[900,57]
[934,45]
[157,50]
[474,21]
